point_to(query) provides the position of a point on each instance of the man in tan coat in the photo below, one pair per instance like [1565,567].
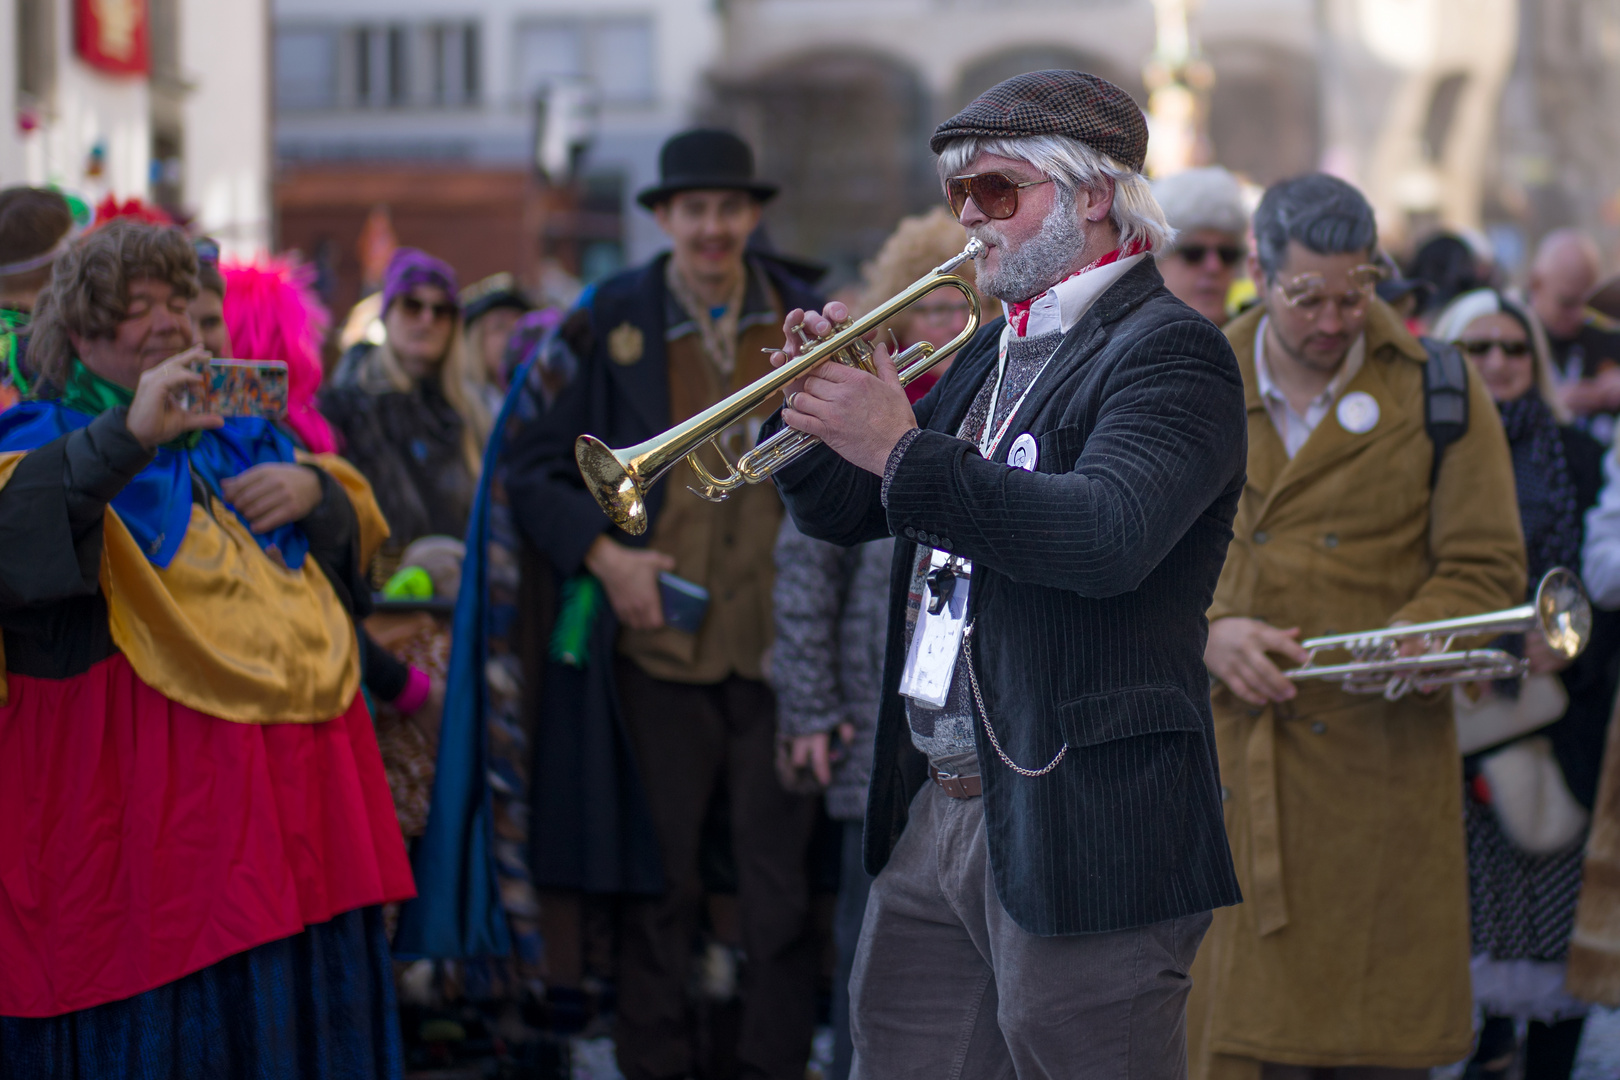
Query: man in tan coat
[1350,951]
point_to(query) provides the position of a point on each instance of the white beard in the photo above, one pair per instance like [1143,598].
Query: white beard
[1040,262]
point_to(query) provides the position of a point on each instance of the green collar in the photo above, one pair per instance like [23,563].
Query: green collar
[12,321]
[89,393]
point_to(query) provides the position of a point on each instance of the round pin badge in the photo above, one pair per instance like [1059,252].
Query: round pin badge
[1358,412]
[1024,453]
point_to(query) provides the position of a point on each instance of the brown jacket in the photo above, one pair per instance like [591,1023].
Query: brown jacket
[1344,811]
[726,547]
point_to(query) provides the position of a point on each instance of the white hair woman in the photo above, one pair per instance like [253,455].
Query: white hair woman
[1523,904]
[1205,207]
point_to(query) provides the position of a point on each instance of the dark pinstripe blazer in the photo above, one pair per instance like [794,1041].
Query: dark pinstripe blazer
[1091,577]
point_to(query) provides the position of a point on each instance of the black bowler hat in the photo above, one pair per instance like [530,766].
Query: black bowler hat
[705,159]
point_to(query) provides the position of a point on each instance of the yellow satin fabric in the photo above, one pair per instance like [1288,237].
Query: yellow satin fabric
[226,630]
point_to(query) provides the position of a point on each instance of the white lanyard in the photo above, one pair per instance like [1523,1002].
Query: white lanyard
[987,449]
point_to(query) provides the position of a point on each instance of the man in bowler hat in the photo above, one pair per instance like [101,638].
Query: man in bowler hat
[647,349]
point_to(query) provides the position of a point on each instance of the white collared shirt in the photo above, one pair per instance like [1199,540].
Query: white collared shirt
[1291,426]
[1065,303]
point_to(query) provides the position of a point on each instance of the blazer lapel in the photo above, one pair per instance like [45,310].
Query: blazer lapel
[1083,341]
[961,384]
[1267,454]
[643,380]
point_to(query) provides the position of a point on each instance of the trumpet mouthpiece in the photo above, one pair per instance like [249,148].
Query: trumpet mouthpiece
[974,249]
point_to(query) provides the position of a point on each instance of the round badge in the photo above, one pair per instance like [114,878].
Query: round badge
[1023,453]
[1358,412]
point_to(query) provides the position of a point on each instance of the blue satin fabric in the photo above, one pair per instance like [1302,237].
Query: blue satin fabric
[156,505]
[457,912]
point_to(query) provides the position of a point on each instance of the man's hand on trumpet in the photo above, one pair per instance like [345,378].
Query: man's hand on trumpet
[861,416]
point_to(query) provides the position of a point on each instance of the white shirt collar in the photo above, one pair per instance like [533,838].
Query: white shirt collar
[1067,302]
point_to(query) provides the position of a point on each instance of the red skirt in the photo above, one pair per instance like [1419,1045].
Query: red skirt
[141,840]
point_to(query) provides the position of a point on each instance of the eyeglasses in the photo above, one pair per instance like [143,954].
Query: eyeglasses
[1195,254]
[1481,348]
[994,193]
[1308,293]
[413,308]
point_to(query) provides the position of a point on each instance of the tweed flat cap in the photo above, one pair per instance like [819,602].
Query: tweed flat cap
[1083,107]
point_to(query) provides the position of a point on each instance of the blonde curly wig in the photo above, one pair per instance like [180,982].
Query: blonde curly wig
[917,245]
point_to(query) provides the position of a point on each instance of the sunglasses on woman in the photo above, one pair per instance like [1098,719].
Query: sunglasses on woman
[993,193]
[1195,254]
[1480,349]
[413,308]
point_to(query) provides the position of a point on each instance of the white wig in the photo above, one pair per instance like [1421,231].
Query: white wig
[1074,165]
[1453,322]
[1206,198]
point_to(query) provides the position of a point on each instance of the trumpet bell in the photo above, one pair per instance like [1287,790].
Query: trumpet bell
[1564,612]
[612,483]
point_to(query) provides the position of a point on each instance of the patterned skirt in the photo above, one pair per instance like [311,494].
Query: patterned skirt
[1522,907]
[315,1006]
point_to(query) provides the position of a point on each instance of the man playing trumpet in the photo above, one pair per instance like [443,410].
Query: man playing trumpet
[1351,950]
[1044,817]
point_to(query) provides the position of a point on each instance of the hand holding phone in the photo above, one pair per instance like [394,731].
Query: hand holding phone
[157,413]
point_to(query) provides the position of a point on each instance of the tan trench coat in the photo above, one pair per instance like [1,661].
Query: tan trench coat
[1344,812]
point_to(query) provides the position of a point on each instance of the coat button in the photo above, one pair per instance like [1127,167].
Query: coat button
[1331,540]
[1261,536]
[1226,793]
[1318,728]
[945,542]
[911,533]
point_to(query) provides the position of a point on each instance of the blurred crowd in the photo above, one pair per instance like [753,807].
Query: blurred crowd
[649,758]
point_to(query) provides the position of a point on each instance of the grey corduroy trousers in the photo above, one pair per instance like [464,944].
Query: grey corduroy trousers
[947,987]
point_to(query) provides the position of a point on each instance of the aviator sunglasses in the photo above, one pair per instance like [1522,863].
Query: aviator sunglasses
[1194,254]
[1480,349]
[992,192]
[413,308]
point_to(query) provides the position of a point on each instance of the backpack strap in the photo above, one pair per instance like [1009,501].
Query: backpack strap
[1445,398]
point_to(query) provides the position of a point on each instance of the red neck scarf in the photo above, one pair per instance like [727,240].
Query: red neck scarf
[1018,314]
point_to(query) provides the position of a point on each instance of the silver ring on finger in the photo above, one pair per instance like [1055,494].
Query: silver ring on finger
[791,396]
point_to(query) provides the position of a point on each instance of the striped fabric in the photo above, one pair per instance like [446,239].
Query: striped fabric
[1091,578]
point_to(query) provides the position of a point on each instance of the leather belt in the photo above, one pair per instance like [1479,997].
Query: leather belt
[958,787]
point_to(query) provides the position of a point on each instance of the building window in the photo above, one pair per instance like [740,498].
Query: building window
[306,65]
[614,56]
[378,66]
[453,50]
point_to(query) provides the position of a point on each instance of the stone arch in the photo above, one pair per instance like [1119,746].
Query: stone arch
[986,71]
[846,135]
[1264,113]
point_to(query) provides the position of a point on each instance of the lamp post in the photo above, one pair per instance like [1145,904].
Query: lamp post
[1178,81]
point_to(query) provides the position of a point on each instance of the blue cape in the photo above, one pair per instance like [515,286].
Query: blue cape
[156,505]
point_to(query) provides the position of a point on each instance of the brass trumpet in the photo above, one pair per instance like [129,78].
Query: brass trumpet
[620,479]
[1561,611]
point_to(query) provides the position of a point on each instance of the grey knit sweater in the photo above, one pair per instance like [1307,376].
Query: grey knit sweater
[832,608]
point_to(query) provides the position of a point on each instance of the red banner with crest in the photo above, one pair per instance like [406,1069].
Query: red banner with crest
[113,35]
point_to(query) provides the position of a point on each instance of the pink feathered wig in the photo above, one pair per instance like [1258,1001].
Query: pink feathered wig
[273,314]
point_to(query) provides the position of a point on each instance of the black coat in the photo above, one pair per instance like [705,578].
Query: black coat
[1091,577]
[621,404]
[591,829]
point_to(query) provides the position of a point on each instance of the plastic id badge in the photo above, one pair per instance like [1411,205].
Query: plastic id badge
[937,640]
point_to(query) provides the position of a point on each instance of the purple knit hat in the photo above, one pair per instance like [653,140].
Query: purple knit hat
[413,266]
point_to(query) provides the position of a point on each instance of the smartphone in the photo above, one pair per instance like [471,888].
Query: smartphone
[241,388]
[685,602]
